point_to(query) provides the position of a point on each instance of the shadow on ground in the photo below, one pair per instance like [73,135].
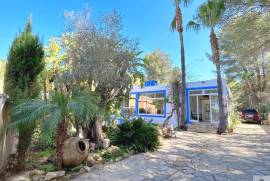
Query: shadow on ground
[196,156]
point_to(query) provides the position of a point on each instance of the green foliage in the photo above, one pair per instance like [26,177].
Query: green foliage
[25,63]
[234,119]
[208,15]
[50,113]
[109,63]
[110,155]
[45,153]
[54,65]
[50,167]
[236,8]
[177,3]
[43,140]
[158,66]
[2,73]
[246,63]
[136,135]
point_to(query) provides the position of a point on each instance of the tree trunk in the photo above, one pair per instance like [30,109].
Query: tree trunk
[177,101]
[166,121]
[25,137]
[45,90]
[61,136]
[179,20]
[183,84]
[98,133]
[223,123]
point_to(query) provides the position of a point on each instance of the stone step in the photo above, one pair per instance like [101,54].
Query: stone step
[203,127]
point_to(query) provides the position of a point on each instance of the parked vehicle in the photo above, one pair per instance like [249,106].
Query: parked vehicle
[250,115]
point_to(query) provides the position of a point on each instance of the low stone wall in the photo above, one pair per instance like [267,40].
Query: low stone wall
[7,140]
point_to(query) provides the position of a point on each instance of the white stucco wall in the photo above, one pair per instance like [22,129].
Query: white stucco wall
[159,120]
[7,140]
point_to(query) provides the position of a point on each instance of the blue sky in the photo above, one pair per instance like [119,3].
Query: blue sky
[145,20]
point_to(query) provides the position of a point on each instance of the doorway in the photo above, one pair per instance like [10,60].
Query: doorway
[200,108]
[203,108]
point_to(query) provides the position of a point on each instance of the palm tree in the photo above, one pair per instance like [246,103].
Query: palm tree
[177,24]
[55,113]
[209,15]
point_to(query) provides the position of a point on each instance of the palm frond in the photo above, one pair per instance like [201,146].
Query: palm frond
[186,2]
[30,111]
[173,26]
[210,13]
[84,106]
[192,25]
[176,2]
[52,120]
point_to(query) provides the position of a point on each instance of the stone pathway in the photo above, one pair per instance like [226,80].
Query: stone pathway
[196,156]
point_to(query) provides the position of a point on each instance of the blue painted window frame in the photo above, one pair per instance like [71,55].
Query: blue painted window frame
[150,115]
[187,98]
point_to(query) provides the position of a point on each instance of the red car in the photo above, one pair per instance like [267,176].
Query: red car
[250,115]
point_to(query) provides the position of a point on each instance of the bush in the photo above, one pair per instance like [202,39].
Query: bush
[136,135]
[43,140]
[50,167]
[113,152]
[234,119]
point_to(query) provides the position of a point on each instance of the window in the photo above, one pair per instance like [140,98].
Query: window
[152,103]
[129,106]
[131,102]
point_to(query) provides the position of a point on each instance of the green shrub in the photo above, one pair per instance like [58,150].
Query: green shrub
[50,167]
[135,135]
[113,152]
[234,119]
[43,140]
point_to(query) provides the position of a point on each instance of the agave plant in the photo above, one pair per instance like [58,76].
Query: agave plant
[55,114]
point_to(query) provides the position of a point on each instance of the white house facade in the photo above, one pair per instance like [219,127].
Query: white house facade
[150,102]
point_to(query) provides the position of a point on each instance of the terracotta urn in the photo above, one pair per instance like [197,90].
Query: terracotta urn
[75,151]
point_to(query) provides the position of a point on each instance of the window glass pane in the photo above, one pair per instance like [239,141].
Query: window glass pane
[132,101]
[195,92]
[128,108]
[211,91]
[214,107]
[151,103]
[193,108]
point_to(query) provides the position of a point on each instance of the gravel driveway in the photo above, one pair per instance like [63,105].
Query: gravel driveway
[196,156]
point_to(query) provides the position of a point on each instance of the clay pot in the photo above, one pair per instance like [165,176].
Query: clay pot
[230,130]
[167,131]
[75,151]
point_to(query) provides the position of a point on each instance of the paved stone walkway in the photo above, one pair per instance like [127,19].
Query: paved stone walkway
[196,156]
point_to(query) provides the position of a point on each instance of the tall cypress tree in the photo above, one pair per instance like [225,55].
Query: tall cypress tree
[25,63]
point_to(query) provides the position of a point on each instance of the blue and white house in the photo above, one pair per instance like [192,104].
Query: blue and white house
[149,102]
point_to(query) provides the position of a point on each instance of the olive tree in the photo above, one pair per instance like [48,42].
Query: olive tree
[103,60]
